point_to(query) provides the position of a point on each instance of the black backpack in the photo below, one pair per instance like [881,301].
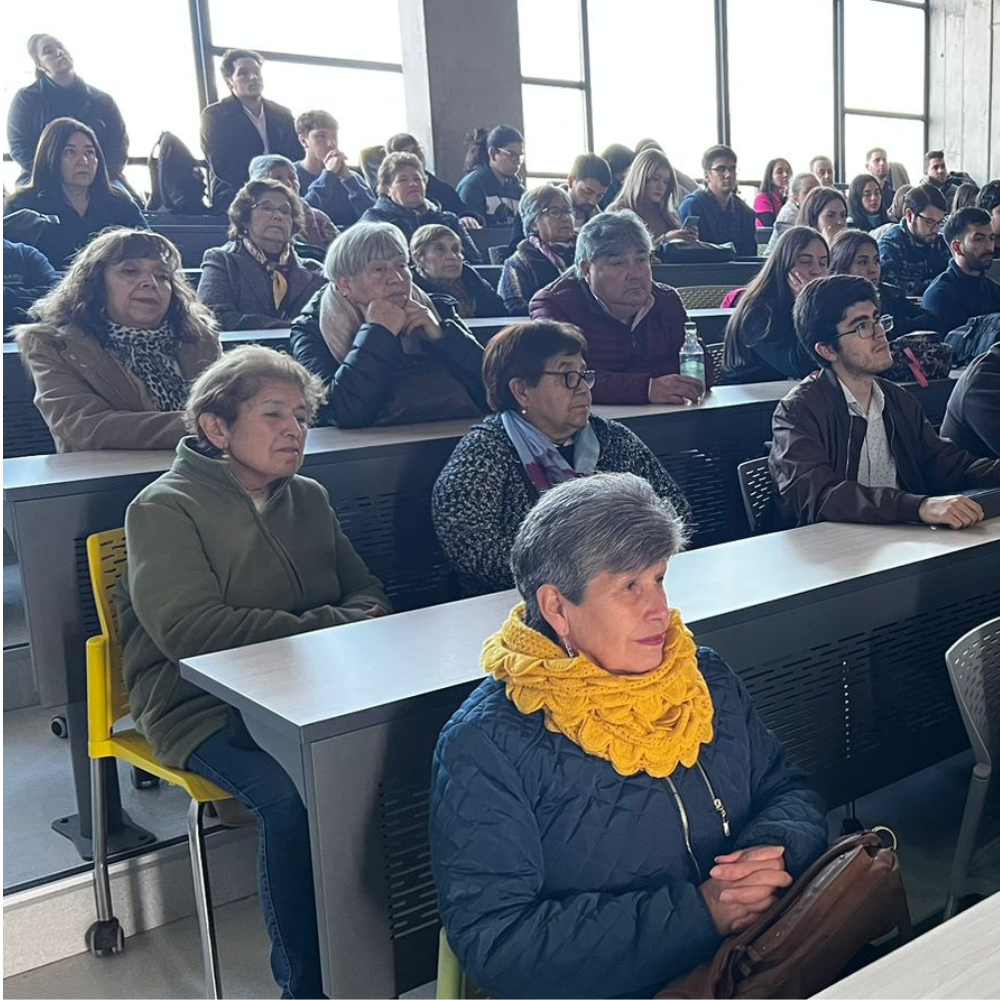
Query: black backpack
[177,178]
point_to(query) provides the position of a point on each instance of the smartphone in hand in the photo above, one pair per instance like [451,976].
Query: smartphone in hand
[691,223]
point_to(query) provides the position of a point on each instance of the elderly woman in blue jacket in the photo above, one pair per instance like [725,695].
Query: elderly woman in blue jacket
[607,806]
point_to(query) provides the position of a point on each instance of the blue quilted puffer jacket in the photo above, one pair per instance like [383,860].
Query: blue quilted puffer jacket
[557,877]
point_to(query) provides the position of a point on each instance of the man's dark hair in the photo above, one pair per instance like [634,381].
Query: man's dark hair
[963,220]
[590,166]
[821,305]
[713,153]
[989,196]
[230,56]
[933,154]
[922,196]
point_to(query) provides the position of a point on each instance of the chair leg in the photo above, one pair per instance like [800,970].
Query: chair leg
[975,803]
[105,935]
[203,899]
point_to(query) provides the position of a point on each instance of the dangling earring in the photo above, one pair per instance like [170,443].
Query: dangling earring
[570,651]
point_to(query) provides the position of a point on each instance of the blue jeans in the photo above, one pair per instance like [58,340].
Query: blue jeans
[234,762]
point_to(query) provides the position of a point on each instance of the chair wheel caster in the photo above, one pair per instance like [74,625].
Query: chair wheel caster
[105,937]
[58,726]
[143,779]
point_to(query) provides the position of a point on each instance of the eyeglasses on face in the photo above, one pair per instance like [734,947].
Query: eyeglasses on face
[285,211]
[724,171]
[573,379]
[557,212]
[866,328]
[511,155]
[933,224]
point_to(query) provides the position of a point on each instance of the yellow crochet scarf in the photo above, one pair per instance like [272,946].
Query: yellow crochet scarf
[639,722]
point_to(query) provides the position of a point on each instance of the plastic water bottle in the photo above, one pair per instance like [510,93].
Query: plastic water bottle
[692,354]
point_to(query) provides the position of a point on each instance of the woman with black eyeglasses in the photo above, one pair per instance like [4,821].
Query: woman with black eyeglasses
[257,281]
[491,189]
[545,253]
[542,433]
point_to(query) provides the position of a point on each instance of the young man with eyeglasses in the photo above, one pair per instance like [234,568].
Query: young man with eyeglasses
[965,289]
[849,446]
[913,252]
[722,217]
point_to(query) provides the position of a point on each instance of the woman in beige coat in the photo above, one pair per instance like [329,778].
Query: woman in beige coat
[117,345]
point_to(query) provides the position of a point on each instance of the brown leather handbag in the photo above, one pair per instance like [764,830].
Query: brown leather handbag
[852,895]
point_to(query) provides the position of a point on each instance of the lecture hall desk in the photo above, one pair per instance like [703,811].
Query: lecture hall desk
[380,481]
[959,958]
[838,630]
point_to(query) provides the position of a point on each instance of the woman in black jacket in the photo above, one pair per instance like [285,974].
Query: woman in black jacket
[387,353]
[856,252]
[438,191]
[402,200]
[59,93]
[864,203]
[70,181]
[545,253]
[760,341]
[439,268]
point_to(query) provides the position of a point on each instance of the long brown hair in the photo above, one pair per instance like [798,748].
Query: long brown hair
[80,298]
[769,295]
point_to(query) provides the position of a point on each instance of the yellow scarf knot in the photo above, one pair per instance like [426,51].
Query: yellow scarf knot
[638,722]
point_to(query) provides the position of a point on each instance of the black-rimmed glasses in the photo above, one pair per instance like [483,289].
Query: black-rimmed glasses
[573,379]
[866,328]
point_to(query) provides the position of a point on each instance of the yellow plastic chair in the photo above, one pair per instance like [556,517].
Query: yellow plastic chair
[107,702]
[452,981]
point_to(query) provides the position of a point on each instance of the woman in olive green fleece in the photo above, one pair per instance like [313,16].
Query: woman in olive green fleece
[231,547]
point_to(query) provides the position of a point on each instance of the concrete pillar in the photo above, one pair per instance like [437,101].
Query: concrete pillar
[964,85]
[461,62]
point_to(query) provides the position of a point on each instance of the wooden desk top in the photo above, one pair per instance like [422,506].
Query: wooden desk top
[959,958]
[296,684]
[88,471]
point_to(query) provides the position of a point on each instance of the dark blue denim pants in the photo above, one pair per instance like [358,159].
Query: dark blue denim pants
[234,762]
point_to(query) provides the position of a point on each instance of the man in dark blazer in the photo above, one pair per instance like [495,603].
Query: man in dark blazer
[240,127]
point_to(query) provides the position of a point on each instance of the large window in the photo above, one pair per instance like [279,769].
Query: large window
[151,75]
[347,60]
[876,113]
[553,90]
[653,76]
[780,82]
[624,70]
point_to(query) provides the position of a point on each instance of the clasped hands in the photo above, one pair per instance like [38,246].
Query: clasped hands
[743,885]
[411,318]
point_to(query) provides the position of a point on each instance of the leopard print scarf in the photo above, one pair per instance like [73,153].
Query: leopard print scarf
[151,355]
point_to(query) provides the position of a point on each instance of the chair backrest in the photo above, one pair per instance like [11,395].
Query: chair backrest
[704,296]
[107,699]
[974,668]
[758,490]
[716,352]
[497,255]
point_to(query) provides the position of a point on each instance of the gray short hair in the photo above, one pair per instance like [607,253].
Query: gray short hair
[356,249]
[261,166]
[612,521]
[611,234]
[535,201]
